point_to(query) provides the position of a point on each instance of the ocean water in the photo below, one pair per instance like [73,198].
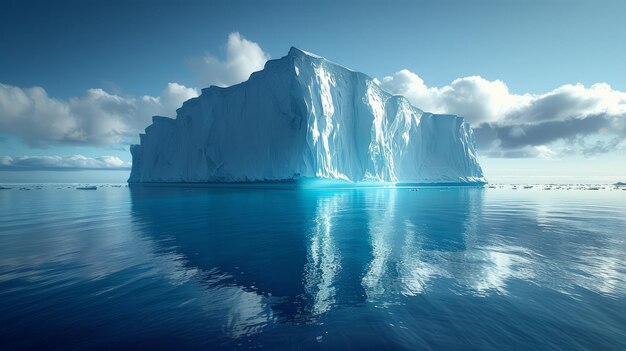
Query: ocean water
[330,269]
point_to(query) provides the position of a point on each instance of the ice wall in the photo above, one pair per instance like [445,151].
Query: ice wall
[305,117]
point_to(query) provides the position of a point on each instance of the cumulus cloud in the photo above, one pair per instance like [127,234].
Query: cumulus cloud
[523,125]
[100,118]
[474,97]
[242,58]
[583,120]
[62,163]
[95,118]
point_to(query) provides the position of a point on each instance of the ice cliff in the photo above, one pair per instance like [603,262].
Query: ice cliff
[303,116]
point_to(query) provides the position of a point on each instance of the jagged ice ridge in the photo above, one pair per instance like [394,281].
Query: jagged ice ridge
[303,116]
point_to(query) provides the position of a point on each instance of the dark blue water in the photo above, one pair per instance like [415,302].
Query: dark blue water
[369,269]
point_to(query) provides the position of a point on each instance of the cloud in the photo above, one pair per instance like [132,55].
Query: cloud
[242,58]
[475,98]
[61,163]
[95,118]
[512,136]
[590,149]
[523,125]
[583,120]
[102,118]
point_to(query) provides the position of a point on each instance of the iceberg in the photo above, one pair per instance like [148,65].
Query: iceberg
[303,117]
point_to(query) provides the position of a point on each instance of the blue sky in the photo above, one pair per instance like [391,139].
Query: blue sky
[537,50]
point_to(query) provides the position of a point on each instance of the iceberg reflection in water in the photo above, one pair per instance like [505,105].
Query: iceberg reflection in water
[448,268]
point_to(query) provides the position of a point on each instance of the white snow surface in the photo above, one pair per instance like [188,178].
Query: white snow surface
[303,116]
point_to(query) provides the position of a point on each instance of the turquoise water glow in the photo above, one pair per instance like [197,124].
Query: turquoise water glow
[201,268]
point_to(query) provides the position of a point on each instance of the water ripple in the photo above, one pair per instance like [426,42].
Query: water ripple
[356,269]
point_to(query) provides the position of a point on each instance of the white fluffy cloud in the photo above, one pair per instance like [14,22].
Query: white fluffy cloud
[95,118]
[524,125]
[482,100]
[69,162]
[585,120]
[473,97]
[242,58]
[102,118]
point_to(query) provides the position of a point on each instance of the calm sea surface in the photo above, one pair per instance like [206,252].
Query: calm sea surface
[368,269]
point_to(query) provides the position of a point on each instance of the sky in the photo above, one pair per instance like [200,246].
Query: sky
[543,83]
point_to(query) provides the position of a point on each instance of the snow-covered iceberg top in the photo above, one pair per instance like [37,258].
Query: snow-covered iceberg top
[303,116]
